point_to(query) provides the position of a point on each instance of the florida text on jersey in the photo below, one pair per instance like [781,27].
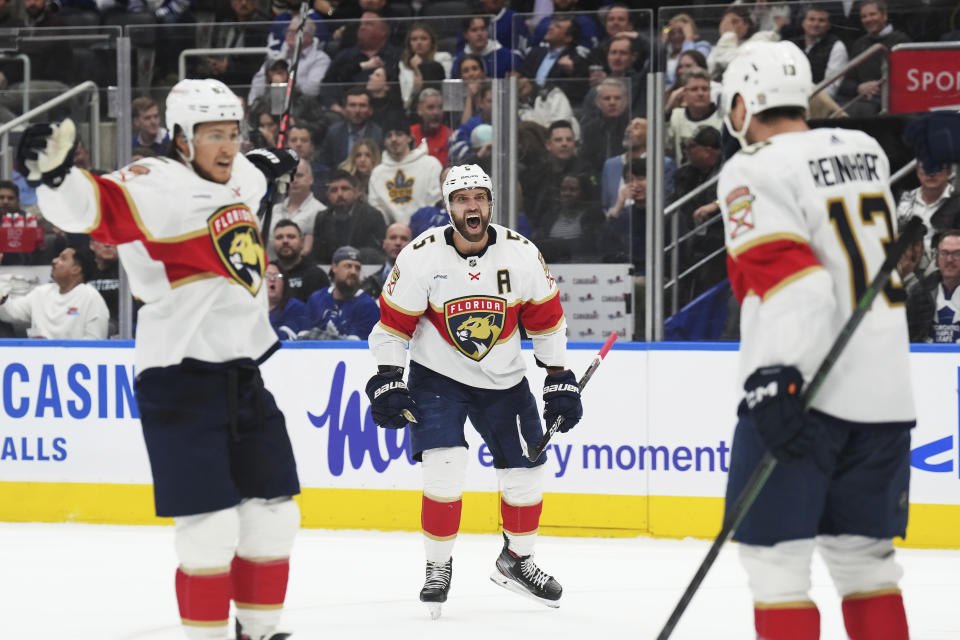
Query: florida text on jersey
[460,314]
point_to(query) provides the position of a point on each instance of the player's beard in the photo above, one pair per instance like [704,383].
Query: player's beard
[471,234]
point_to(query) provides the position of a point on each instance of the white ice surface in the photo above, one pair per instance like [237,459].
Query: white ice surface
[82,582]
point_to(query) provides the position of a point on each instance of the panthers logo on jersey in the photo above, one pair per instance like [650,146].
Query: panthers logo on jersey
[237,241]
[474,323]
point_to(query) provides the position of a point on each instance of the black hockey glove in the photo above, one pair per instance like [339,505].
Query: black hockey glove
[561,397]
[45,153]
[391,405]
[776,405]
[277,165]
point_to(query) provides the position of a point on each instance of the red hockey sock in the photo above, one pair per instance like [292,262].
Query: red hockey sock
[204,598]
[878,615]
[259,585]
[440,520]
[787,621]
[520,520]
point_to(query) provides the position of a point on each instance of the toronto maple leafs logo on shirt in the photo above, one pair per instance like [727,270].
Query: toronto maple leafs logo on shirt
[237,240]
[474,323]
[400,189]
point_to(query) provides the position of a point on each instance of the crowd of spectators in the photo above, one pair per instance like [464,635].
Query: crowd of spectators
[375,120]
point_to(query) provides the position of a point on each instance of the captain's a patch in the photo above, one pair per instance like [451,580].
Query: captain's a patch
[740,211]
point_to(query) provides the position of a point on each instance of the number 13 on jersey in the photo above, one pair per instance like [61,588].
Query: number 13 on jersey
[851,235]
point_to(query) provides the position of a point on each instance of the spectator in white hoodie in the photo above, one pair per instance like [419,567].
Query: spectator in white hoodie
[407,178]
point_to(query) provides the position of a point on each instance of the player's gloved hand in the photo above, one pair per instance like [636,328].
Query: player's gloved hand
[45,153]
[776,406]
[561,397]
[936,139]
[278,165]
[391,405]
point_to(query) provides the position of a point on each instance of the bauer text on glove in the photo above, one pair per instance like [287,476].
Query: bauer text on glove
[561,397]
[391,405]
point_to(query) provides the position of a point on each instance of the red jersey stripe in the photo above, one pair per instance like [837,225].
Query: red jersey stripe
[436,318]
[184,257]
[543,316]
[396,320]
[765,268]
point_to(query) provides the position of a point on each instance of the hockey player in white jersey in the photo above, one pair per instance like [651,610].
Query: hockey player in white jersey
[807,214]
[457,295]
[186,232]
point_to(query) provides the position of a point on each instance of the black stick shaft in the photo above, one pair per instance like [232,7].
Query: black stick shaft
[545,439]
[292,77]
[768,462]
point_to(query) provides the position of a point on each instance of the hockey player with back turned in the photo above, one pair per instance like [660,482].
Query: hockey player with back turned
[807,214]
[456,295]
[186,232]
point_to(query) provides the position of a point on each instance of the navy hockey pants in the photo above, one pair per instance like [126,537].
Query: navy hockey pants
[444,405]
[856,482]
[214,436]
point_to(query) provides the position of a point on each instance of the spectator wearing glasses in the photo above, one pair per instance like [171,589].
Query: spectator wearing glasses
[287,314]
[933,301]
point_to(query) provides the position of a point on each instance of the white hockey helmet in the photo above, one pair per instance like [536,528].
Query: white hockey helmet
[766,75]
[191,102]
[465,176]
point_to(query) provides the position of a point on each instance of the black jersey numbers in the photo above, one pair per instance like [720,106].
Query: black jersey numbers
[503,281]
[513,235]
[419,245]
[871,206]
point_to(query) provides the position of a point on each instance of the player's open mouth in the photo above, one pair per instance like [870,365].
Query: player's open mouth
[473,223]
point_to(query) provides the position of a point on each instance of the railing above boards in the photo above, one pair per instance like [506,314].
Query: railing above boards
[6,167]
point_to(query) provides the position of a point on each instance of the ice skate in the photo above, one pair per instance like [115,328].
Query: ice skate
[437,586]
[242,636]
[521,575]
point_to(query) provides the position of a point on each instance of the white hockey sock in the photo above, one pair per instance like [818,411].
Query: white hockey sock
[521,545]
[207,633]
[259,623]
[438,550]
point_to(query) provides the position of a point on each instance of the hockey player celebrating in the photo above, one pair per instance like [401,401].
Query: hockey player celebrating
[456,295]
[806,215]
[219,452]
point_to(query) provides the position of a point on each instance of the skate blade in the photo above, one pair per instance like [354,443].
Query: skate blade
[501,580]
[434,609]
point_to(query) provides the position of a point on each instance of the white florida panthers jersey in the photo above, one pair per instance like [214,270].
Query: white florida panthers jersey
[191,248]
[807,217]
[460,314]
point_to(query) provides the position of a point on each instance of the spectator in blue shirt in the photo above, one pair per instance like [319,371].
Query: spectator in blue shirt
[287,315]
[343,311]
[497,59]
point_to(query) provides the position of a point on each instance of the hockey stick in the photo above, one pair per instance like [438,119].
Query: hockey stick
[533,454]
[767,463]
[267,206]
[292,76]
